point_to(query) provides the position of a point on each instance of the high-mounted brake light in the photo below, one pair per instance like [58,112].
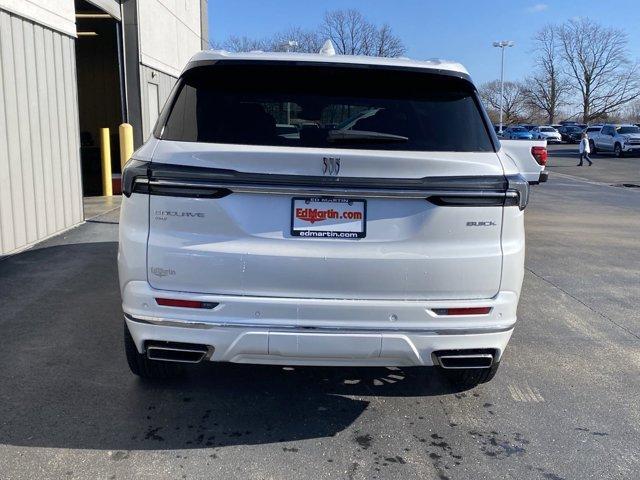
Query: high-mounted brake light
[462,311]
[176,302]
[540,154]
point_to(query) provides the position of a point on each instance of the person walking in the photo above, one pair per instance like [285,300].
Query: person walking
[584,149]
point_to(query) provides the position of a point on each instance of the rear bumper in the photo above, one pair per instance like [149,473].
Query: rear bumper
[544,176]
[285,331]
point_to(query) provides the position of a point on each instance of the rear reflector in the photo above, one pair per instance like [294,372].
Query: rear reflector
[540,154]
[462,311]
[174,302]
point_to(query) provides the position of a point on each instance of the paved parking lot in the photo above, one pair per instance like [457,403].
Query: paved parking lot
[565,404]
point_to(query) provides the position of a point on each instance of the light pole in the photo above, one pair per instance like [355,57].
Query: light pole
[502,44]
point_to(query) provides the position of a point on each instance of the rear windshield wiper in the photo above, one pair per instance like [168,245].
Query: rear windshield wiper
[341,136]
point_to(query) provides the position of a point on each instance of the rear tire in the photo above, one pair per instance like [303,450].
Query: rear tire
[141,366]
[468,378]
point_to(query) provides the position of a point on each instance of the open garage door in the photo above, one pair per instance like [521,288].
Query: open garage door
[100,90]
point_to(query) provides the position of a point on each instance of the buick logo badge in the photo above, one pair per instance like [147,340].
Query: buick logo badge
[330,166]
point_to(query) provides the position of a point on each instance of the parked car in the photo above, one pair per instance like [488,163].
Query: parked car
[517,133]
[528,126]
[593,130]
[355,243]
[570,133]
[617,139]
[546,132]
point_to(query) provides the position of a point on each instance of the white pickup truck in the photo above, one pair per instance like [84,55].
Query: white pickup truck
[530,156]
[617,139]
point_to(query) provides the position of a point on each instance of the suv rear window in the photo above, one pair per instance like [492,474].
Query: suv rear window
[327,107]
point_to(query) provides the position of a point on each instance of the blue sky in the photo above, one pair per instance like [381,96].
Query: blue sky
[460,30]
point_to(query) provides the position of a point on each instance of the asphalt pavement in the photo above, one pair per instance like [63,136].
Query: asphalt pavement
[564,405]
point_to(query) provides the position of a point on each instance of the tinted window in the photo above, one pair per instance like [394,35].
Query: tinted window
[547,129]
[623,130]
[330,107]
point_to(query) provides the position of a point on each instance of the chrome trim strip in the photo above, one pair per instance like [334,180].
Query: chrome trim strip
[164,322]
[303,190]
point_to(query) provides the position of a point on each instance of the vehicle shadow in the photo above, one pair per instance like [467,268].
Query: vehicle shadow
[65,382]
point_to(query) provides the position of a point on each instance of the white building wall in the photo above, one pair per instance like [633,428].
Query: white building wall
[40,177]
[169,33]
[56,14]
[156,90]
[40,182]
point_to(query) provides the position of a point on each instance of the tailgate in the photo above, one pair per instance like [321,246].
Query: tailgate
[519,151]
[428,228]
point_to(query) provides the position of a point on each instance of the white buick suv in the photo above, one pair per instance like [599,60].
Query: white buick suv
[310,209]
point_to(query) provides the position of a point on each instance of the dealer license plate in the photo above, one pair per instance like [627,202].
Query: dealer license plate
[319,217]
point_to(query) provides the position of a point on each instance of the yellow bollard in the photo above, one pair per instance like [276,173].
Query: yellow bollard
[126,143]
[105,155]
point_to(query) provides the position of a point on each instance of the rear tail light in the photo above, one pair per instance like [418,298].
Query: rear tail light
[517,192]
[176,302]
[462,311]
[540,154]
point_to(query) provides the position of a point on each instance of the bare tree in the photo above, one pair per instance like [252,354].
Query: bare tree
[632,111]
[352,34]
[547,90]
[244,44]
[387,44]
[513,100]
[597,62]
[350,31]
[306,41]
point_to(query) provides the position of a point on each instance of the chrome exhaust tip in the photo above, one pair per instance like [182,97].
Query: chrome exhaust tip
[178,352]
[461,359]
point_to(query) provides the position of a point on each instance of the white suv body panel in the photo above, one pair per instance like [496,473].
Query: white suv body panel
[281,299]
[250,251]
